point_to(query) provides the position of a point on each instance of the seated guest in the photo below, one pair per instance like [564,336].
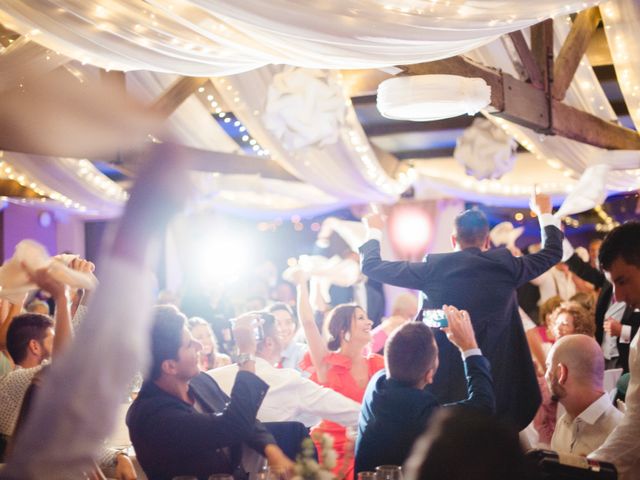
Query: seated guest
[572,318]
[32,339]
[209,356]
[463,444]
[182,423]
[575,372]
[287,324]
[545,321]
[405,308]
[291,397]
[396,406]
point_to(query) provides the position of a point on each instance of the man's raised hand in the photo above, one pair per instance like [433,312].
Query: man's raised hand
[459,331]
[374,220]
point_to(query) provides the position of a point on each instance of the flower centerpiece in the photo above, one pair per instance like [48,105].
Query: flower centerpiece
[308,468]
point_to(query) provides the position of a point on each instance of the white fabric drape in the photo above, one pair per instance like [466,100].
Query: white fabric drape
[621,19]
[222,37]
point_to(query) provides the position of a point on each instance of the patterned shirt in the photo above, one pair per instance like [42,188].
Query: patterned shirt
[13,386]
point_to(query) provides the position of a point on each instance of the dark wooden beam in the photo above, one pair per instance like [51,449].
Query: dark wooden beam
[583,127]
[218,162]
[397,127]
[573,50]
[528,60]
[542,50]
[424,153]
[177,93]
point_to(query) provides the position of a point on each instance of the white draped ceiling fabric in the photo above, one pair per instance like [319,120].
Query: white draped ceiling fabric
[224,37]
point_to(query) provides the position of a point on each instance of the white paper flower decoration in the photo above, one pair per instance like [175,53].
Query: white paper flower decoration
[305,107]
[485,151]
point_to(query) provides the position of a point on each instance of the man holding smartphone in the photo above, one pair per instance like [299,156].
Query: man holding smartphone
[396,408]
[482,282]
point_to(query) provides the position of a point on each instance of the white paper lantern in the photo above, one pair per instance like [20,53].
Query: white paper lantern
[485,151]
[432,97]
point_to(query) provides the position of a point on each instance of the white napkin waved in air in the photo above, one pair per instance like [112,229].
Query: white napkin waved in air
[15,281]
[589,192]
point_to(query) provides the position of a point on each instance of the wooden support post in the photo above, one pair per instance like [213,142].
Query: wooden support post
[542,50]
[177,93]
[573,49]
[528,61]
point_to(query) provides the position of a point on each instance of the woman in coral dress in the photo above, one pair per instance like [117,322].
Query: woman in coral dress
[342,363]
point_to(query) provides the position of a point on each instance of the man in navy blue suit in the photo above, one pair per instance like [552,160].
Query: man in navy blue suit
[396,408]
[482,282]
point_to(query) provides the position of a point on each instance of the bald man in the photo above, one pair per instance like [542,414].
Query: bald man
[575,371]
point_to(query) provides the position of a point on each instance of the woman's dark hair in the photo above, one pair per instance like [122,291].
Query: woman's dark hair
[462,443]
[338,323]
[166,337]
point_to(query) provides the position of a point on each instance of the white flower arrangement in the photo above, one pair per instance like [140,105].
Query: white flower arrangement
[308,468]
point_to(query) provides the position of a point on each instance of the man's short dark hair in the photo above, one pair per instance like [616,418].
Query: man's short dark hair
[624,242]
[23,329]
[472,228]
[281,306]
[410,353]
[166,337]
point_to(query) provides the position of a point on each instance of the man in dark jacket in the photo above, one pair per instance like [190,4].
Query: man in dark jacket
[622,329]
[396,408]
[182,423]
[484,283]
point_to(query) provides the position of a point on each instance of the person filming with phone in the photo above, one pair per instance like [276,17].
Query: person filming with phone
[483,282]
[396,407]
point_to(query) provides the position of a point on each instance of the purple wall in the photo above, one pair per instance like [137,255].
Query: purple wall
[21,222]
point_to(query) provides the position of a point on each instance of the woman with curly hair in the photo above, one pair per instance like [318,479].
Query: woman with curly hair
[570,318]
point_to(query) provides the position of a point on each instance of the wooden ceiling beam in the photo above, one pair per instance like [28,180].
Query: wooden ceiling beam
[573,50]
[177,93]
[528,60]
[399,127]
[542,50]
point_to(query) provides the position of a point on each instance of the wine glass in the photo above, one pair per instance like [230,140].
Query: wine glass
[389,472]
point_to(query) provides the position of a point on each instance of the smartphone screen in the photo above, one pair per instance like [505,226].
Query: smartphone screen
[435,318]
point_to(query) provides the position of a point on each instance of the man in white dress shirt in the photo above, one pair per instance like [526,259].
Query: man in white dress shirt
[575,372]
[290,397]
[620,259]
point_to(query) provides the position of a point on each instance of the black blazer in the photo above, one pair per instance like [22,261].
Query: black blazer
[172,439]
[594,276]
[484,284]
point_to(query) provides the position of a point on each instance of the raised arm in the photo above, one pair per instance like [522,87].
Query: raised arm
[528,267]
[317,345]
[401,274]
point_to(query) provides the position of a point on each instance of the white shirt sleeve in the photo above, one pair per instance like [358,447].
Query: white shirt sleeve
[622,447]
[471,353]
[111,345]
[374,234]
[314,399]
[625,334]
[547,219]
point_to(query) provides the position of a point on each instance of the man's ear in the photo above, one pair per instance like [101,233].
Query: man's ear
[429,376]
[34,347]
[563,373]
[168,367]
[454,240]
[487,244]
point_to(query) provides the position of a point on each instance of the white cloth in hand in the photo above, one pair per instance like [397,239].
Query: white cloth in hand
[14,278]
